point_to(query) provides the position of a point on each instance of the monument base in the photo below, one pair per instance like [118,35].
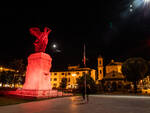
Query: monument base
[35,94]
[38,72]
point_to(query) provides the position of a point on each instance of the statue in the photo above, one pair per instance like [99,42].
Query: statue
[37,79]
[41,38]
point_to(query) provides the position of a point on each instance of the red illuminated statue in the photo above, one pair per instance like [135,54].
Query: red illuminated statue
[39,65]
[37,80]
[41,38]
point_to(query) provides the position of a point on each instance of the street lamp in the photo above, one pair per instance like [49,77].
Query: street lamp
[139,3]
[146,1]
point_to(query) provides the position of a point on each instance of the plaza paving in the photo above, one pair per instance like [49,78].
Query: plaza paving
[97,104]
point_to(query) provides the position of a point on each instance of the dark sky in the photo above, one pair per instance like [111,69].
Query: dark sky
[107,29]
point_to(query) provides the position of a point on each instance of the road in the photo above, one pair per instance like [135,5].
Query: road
[97,104]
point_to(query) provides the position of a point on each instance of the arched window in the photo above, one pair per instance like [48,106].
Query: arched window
[100,71]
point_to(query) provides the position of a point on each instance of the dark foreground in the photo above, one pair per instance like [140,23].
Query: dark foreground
[97,104]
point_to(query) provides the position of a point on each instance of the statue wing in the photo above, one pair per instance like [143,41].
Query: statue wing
[35,32]
[47,30]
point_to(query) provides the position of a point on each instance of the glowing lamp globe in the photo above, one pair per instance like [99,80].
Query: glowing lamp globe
[146,1]
[73,75]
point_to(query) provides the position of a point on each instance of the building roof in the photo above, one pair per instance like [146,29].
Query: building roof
[75,68]
[114,63]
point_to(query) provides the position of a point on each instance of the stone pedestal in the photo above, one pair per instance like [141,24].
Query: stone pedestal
[38,73]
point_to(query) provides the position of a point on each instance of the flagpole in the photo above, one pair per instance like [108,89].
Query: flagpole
[85,73]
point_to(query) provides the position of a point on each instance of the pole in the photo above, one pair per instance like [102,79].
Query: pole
[85,74]
[85,88]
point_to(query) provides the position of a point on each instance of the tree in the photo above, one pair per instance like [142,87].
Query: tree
[19,80]
[18,65]
[63,83]
[90,84]
[3,78]
[6,77]
[135,69]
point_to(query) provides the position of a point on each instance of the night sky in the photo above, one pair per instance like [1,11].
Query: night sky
[107,29]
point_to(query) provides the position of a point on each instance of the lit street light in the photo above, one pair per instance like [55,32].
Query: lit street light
[146,1]
[139,3]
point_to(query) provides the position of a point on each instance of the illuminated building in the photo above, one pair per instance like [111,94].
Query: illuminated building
[144,85]
[71,74]
[114,80]
[7,71]
[100,68]
[113,75]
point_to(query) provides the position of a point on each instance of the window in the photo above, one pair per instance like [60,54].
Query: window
[55,79]
[55,85]
[51,79]
[68,79]
[69,73]
[62,73]
[100,71]
[77,73]
[100,62]
[113,74]
[55,73]
[83,73]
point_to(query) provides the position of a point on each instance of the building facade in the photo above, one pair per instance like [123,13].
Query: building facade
[71,74]
[100,69]
[4,72]
[114,80]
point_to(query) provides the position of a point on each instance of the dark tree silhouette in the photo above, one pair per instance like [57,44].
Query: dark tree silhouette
[6,77]
[63,83]
[18,65]
[90,84]
[135,69]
